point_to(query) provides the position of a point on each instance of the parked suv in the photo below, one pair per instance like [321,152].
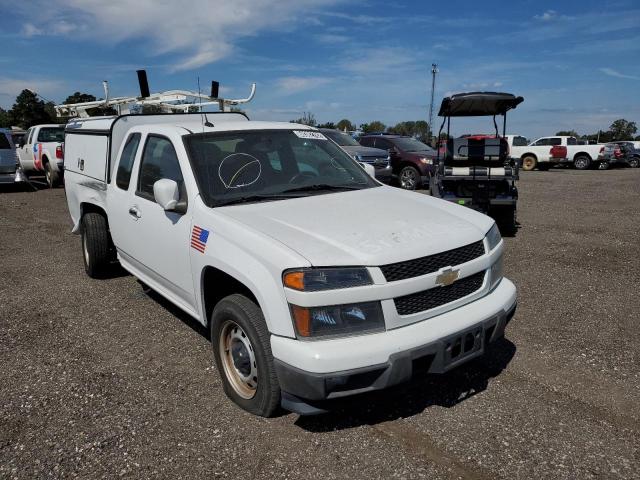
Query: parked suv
[621,152]
[10,171]
[412,161]
[376,157]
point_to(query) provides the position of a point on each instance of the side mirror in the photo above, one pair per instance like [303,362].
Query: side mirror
[167,194]
[369,169]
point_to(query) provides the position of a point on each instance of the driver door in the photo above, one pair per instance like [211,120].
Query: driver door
[153,244]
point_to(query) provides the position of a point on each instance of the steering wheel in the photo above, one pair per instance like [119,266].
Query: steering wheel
[301,175]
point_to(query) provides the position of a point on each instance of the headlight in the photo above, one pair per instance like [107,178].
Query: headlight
[493,237]
[426,161]
[337,319]
[316,279]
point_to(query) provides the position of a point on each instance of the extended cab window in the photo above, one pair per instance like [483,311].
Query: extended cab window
[159,160]
[542,142]
[123,175]
[51,134]
[571,141]
[520,142]
[555,141]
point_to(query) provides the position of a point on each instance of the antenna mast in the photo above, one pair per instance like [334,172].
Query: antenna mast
[434,70]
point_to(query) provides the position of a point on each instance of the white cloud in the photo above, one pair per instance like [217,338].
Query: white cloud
[614,73]
[10,87]
[299,84]
[202,32]
[547,16]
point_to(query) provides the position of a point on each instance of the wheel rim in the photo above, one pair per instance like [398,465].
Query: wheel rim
[238,359]
[581,163]
[48,176]
[408,178]
[528,163]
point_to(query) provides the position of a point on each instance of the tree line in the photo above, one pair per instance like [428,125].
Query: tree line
[620,129]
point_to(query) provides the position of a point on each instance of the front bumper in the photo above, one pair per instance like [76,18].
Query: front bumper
[377,361]
[13,177]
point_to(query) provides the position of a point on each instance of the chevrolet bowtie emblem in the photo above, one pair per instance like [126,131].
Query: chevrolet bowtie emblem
[447,277]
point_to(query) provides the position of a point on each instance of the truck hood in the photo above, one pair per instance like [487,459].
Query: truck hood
[375,226]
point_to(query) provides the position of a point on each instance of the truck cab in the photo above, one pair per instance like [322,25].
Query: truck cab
[315,280]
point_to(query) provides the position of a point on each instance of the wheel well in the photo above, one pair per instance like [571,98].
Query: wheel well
[45,159]
[529,155]
[582,154]
[217,284]
[92,208]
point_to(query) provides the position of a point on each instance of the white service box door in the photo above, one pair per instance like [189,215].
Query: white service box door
[87,155]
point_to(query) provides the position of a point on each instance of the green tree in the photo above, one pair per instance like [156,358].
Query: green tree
[5,118]
[422,131]
[307,118]
[79,97]
[328,125]
[567,133]
[623,129]
[29,111]
[375,126]
[345,124]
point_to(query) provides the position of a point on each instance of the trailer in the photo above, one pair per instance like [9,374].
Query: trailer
[479,172]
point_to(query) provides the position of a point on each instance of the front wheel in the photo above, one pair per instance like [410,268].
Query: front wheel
[409,178]
[582,162]
[242,352]
[634,162]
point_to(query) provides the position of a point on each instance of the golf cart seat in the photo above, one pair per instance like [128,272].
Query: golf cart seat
[470,152]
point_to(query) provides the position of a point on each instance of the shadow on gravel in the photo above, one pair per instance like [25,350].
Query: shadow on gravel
[414,397]
[187,319]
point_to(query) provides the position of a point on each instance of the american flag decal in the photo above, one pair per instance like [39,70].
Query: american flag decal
[199,238]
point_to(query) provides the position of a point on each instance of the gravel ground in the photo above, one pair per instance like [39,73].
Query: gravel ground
[99,380]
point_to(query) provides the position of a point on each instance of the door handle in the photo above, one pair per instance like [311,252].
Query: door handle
[134,212]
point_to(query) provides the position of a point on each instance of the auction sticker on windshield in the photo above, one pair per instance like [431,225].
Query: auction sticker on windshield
[309,134]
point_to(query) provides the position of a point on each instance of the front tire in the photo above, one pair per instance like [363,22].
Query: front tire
[95,245]
[529,163]
[242,351]
[634,162]
[582,162]
[409,178]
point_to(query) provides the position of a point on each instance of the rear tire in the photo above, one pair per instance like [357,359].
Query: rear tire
[409,178]
[242,351]
[634,162]
[51,175]
[582,162]
[95,245]
[529,163]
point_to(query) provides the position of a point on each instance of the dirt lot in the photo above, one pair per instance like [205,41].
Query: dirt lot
[100,380]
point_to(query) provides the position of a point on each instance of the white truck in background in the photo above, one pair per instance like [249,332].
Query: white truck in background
[540,153]
[41,151]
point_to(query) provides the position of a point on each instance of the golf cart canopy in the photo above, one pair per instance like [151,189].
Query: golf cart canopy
[476,104]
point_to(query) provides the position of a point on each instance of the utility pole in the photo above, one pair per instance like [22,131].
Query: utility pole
[434,70]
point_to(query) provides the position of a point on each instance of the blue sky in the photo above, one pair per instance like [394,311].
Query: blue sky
[577,63]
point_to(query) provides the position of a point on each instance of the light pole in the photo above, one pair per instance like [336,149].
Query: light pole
[434,70]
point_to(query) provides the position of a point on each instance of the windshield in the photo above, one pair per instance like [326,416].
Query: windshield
[51,134]
[412,145]
[341,138]
[243,166]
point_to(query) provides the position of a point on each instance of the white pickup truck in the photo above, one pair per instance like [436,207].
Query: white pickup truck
[315,280]
[540,152]
[41,151]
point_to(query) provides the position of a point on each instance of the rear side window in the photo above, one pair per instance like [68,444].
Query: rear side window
[123,175]
[159,160]
[520,142]
[4,142]
[571,141]
[51,134]
[555,141]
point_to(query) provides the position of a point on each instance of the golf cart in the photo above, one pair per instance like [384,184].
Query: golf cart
[479,172]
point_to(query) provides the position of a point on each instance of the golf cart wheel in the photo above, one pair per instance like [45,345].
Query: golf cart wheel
[529,163]
[95,244]
[51,175]
[506,220]
[242,352]
[409,178]
[582,162]
[634,162]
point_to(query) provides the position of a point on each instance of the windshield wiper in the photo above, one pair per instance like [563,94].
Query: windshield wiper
[255,198]
[321,187]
